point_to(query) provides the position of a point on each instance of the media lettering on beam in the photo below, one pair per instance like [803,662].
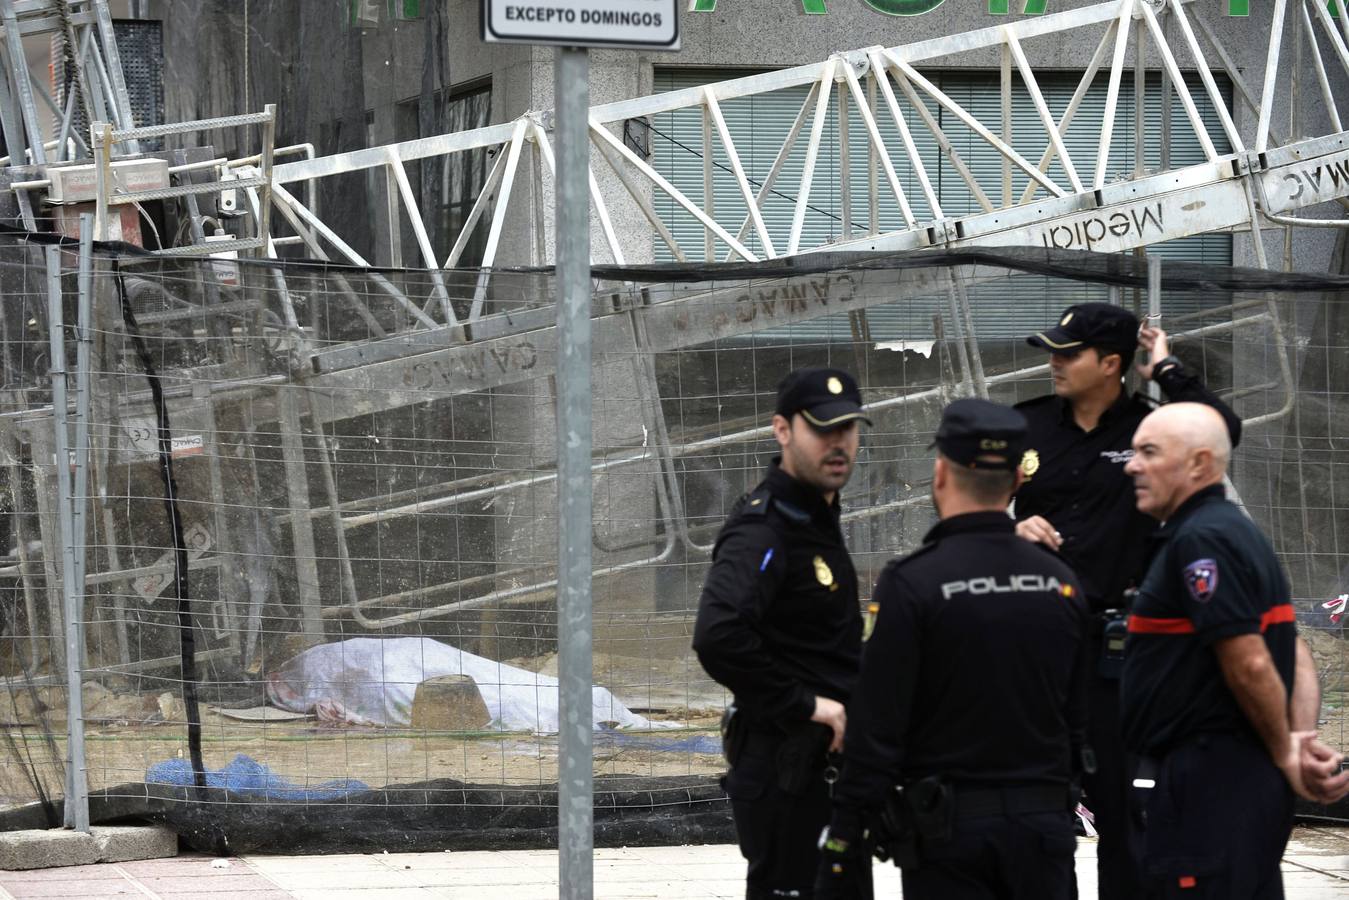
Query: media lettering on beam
[1087,233]
[626,24]
[1126,225]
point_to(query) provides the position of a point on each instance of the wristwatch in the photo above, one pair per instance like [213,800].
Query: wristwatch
[1161,365]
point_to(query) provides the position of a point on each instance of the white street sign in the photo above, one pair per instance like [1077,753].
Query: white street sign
[631,24]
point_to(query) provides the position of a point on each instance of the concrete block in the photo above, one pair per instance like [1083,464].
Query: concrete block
[120,843]
[449,703]
[43,849]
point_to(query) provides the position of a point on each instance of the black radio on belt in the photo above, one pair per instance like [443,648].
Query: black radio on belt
[1114,631]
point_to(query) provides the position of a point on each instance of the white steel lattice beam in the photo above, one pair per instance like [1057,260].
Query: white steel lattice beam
[724,133]
[781,158]
[1327,97]
[1046,118]
[1215,96]
[1271,70]
[877,146]
[812,154]
[1087,206]
[1083,85]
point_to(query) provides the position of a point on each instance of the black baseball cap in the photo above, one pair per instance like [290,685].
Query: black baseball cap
[826,398]
[1103,325]
[981,434]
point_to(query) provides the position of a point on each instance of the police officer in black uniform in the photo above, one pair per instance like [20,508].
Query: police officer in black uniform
[1077,500]
[1208,674]
[779,625]
[971,698]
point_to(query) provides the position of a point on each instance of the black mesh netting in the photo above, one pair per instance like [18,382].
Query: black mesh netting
[364,471]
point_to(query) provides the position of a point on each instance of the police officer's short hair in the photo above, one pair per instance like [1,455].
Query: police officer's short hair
[991,487]
[1126,357]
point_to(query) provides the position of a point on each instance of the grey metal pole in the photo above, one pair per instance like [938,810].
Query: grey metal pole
[576,772]
[1154,307]
[84,387]
[77,795]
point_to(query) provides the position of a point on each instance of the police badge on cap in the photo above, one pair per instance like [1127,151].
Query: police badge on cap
[1102,325]
[826,398]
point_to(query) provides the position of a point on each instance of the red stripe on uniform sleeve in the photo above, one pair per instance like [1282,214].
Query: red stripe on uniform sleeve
[1151,625]
[1277,615]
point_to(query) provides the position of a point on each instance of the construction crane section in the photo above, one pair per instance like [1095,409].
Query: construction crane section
[1070,198]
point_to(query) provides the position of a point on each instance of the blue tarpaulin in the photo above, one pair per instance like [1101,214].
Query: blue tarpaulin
[245,775]
[665,743]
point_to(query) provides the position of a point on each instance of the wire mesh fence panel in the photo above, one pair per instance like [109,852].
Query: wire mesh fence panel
[364,503]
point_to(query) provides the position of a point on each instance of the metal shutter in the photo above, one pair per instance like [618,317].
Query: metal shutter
[1006,309]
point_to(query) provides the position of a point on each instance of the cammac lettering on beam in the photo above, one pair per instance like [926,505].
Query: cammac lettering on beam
[1327,180]
[470,366]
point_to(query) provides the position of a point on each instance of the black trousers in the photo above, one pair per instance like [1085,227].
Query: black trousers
[1108,793]
[1217,822]
[778,832]
[1003,857]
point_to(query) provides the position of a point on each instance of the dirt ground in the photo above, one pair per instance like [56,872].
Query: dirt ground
[127,734]
[1331,652]
[307,755]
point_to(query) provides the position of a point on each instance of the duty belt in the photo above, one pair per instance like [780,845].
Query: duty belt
[1039,798]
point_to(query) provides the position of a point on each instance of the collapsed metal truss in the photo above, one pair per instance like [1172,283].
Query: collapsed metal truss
[97,87]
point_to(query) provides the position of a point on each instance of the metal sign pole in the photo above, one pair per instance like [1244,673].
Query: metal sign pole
[77,793]
[576,774]
[572,26]
[1154,309]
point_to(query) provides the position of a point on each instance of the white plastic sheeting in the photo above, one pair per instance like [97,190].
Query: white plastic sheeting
[372,681]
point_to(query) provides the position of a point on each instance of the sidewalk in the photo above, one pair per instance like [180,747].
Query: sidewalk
[1316,868]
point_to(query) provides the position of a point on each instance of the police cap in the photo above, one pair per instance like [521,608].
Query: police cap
[1103,325]
[980,434]
[826,398]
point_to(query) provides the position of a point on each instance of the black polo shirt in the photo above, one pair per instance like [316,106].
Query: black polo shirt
[1075,479]
[1213,575]
[778,621]
[974,669]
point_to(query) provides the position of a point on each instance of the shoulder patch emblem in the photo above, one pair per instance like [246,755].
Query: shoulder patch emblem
[869,620]
[1030,463]
[1201,578]
[823,574]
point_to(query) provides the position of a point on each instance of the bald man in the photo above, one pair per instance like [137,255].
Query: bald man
[1207,695]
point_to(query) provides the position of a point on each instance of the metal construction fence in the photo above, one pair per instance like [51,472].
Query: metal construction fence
[363,509]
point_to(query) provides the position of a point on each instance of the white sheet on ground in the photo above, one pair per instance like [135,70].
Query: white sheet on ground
[373,681]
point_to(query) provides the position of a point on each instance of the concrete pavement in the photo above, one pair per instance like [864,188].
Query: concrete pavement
[1316,867]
